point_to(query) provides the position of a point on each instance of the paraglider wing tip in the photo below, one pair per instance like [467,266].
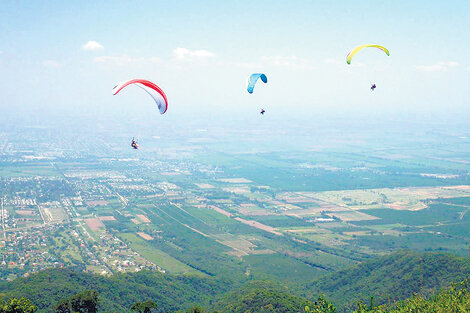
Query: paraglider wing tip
[384,50]
[163,109]
[264,78]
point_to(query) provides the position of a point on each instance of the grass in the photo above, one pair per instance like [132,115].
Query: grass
[380,228]
[415,241]
[281,266]
[435,213]
[28,170]
[326,239]
[457,229]
[71,251]
[157,256]
[459,201]
[88,230]
[210,216]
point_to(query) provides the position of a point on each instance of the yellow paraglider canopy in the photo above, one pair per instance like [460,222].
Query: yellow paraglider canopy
[359,48]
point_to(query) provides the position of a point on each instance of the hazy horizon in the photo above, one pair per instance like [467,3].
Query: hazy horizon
[65,58]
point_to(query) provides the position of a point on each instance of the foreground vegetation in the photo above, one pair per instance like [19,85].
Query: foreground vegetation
[262,298]
[117,293]
[391,278]
[401,282]
[453,299]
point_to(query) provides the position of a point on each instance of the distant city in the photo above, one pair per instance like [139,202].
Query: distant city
[206,206]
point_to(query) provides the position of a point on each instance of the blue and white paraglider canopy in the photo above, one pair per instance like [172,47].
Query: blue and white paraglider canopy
[253,79]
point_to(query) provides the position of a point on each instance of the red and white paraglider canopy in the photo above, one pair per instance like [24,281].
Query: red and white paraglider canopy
[153,90]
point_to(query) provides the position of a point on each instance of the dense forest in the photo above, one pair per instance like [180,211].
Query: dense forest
[390,283]
[257,298]
[394,277]
[117,292]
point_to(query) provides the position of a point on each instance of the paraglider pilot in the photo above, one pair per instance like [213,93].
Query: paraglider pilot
[262,112]
[134,144]
[373,87]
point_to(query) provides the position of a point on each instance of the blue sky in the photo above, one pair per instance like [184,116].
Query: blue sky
[200,53]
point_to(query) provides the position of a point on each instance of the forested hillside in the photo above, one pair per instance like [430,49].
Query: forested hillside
[260,296]
[118,292]
[390,278]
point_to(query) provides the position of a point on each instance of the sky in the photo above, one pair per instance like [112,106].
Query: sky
[66,56]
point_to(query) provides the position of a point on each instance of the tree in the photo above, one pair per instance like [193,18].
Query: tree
[85,302]
[144,307]
[21,305]
[195,309]
[63,306]
[321,305]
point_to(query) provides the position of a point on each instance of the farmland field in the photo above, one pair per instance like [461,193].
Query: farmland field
[242,212]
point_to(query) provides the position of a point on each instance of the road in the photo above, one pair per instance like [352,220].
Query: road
[3,214]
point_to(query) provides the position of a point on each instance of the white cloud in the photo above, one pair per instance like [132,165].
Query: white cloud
[332,61]
[92,46]
[51,63]
[452,64]
[248,65]
[124,60]
[438,67]
[288,61]
[280,60]
[183,54]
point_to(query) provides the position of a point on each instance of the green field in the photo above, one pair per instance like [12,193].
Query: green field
[29,170]
[158,257]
